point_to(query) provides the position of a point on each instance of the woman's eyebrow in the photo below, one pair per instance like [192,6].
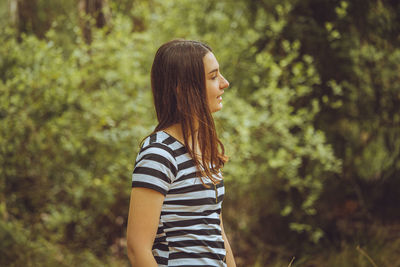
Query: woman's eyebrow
[213,70]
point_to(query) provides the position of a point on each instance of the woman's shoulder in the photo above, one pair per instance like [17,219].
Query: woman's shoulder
[161,142]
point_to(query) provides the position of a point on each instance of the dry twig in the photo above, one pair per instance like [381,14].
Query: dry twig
[367,256]
[290,263]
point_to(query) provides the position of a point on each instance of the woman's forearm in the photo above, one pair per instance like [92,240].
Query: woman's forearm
[141,259]
[230,260]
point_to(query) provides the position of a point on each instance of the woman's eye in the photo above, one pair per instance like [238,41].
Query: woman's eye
[215,77]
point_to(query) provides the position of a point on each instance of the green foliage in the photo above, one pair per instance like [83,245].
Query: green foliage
[18,249]
[310,122]
[64,122]
[278,157]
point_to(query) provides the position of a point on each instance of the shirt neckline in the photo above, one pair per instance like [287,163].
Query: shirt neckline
[173,138]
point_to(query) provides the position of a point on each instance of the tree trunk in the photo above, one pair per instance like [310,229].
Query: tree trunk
[92,9]
[23,16]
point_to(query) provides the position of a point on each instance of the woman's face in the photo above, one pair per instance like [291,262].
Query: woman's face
[215,82]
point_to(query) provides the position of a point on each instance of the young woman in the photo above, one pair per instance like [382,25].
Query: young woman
[177,186]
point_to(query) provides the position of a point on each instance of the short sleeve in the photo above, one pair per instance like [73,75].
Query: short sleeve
[155,168]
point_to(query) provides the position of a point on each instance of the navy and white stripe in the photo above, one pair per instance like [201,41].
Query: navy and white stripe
[189,232]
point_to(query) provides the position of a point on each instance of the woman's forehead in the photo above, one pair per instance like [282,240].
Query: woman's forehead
[210,63]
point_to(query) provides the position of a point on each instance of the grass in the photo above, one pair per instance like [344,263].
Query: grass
[377,247]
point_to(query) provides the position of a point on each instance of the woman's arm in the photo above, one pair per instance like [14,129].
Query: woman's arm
[230,260]
[144,215]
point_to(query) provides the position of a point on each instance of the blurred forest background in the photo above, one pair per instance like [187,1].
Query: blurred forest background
[311,123]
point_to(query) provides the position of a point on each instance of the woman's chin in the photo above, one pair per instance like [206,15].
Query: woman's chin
[217,108]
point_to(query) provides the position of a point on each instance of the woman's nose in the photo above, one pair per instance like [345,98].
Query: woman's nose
[224,83]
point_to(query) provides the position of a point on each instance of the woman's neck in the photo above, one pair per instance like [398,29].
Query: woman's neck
[175,131]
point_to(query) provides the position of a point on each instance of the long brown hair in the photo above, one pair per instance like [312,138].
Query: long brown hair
[179,91]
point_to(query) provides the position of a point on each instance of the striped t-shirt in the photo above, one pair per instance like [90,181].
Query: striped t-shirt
[189,232]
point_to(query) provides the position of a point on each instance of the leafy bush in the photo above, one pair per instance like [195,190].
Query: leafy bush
[70,125]
[310,122]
